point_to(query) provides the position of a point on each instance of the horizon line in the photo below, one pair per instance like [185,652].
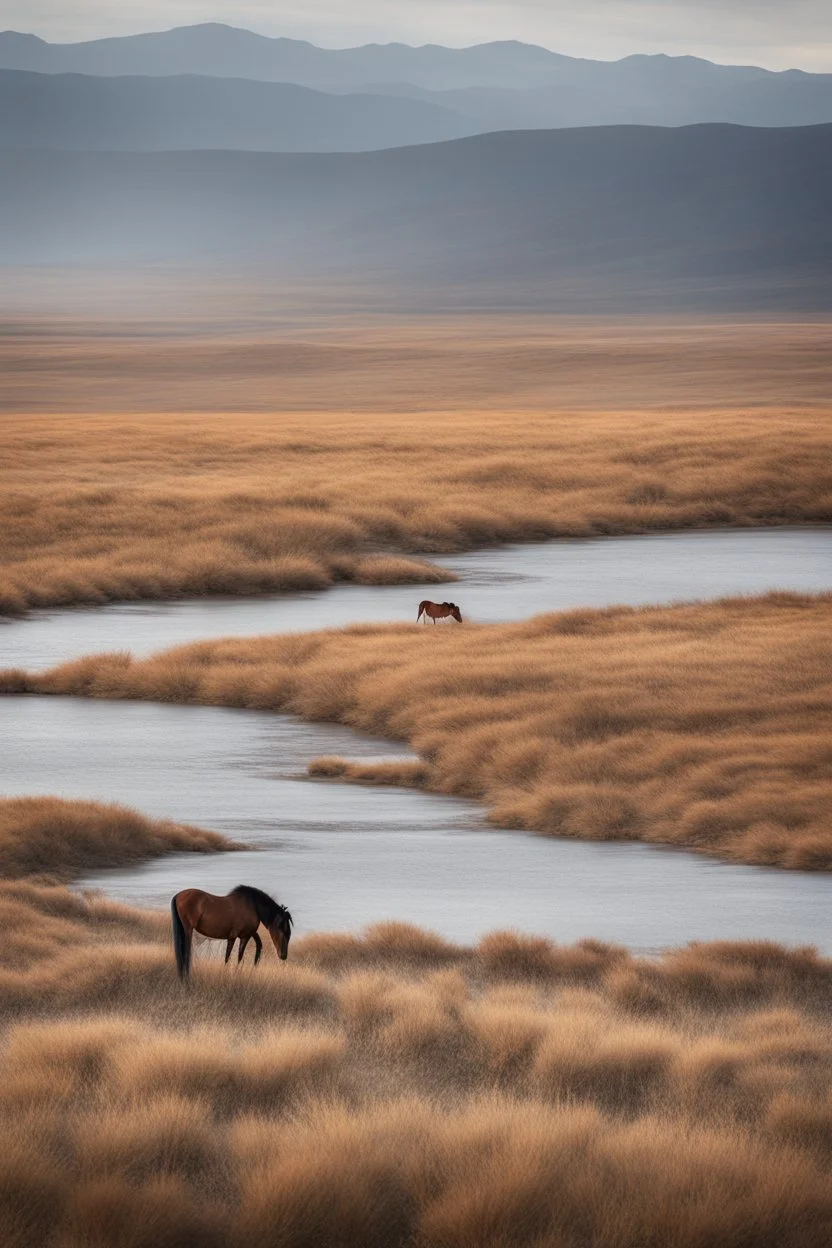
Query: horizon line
[417,47]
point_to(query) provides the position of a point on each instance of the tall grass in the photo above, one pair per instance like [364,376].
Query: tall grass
[49,836]
[706,725]
[97,506]
[393,1089]
[403,1102]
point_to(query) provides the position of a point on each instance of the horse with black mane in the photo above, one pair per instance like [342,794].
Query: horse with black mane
[438,611]
[236,916]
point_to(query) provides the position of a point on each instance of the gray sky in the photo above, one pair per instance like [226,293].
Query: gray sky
[775,33]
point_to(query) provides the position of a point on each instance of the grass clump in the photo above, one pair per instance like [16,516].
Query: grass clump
[49,836]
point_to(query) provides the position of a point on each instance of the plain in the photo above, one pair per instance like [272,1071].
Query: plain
[305,454]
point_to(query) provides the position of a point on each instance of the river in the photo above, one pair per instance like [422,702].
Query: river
[510,583]
[343,856]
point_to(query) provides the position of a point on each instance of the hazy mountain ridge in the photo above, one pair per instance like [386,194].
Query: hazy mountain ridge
[495,85]
[134,113]
[228,51]
[709,215]
[632,93]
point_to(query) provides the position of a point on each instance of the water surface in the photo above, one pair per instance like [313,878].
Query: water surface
[510,583]
[342,856]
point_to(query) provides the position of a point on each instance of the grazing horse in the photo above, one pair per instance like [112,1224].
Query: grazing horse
[438,611]
[235,917]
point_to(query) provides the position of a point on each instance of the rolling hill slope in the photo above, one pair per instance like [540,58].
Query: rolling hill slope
[631,216]
[134,113]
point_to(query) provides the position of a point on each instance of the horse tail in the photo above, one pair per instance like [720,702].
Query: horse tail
[181,941]
[422,606]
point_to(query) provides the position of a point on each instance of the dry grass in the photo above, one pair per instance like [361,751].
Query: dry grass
[392,1089]
[399,1100]
[48,836]
[504,431]
[707,726]
[219,354]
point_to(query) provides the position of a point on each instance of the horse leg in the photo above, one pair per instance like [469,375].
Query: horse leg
[258,945]
[189,941]
[243,942]
[229,945]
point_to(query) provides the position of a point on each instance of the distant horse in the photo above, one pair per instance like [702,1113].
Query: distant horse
[438,611]
[235,917]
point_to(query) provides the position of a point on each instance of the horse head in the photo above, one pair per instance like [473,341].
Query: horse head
[280,930]
[455,611]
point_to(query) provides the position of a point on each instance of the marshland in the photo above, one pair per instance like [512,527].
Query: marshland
[559,856]
[513,1053]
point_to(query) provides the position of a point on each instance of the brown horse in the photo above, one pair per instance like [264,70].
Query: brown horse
[235,917]
[438,611]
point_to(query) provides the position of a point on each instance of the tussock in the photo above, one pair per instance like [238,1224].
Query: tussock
[395,773]
[45,835]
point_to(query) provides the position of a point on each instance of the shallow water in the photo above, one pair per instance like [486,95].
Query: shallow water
[510,583]
[343,856]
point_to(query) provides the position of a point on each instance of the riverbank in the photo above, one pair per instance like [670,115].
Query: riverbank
[393,1088]
[690,725]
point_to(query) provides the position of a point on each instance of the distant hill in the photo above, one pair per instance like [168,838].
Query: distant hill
[708,216]
[641,90]
[133,113]
[495,85]
[226,52]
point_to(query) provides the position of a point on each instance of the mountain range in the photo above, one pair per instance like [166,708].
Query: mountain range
[492,86]
[496,175]
[635,217]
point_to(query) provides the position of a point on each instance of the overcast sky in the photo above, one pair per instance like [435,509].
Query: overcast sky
[775,33]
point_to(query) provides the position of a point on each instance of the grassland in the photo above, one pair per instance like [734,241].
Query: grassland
[424,439]
[394,1090]
[706,725]
[391,1089]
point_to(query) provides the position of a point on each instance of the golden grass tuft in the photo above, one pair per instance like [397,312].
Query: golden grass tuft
[48,836]
[400,773]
